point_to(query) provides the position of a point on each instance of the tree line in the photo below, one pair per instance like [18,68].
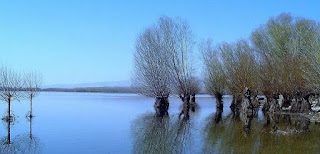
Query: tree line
[16,86]
[280,59]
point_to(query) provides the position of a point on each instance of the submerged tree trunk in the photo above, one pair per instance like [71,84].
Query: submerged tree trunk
[186,106]
[272,105]
[266,105]
[300,105]
[161,106]
[31,115]
[236,101]
[9,106]
[246,103]
[219,103]
[193,103]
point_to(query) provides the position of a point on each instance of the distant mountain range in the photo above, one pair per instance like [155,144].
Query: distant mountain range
[123,83]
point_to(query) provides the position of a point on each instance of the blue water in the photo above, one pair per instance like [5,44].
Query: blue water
[125,123]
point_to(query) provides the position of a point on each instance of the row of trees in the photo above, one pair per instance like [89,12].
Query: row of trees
[281,57]
[163,63]
[16,86]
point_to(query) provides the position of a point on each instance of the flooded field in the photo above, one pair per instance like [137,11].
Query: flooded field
[126,123]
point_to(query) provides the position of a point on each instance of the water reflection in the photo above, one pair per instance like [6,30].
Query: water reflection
[26,143]
[181,135]
[154,134]
[286,124]
[272,133]
[8,146]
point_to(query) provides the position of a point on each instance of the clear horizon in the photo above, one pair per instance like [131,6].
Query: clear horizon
[77,42]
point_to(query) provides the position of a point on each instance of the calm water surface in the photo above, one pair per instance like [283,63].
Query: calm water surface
[125,123]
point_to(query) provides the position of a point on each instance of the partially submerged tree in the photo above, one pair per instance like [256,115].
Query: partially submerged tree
[240,67]
[214,76]
[288,50]
[163,62]
[194,89]
[10,85]
[282,64]
[230,67]
[32,85]
[152,73]
[179,43]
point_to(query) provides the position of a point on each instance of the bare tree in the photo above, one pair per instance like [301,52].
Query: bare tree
[151,72]
[195,88]
[10,84]
[163,61]
[214,75]
[32,85]
[179,44]
[240,67]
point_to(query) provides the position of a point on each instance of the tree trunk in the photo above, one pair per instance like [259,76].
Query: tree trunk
[219,104]
[193,98]
[9,105]
[266,105]
[300,105]
[193,103]
[236,102]
[31,115]
[161,106]
[186,106]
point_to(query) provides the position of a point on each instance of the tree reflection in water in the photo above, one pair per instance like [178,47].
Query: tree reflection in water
[26,143]
[153,134]
[274,133]
[8,146]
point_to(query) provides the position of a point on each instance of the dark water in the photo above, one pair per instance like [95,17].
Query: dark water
[125,123]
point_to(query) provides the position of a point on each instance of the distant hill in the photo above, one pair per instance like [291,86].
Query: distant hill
[123,86]
[92,89]
[123,83]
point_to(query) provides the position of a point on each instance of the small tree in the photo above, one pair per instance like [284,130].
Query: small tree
[32,86]
[10,84]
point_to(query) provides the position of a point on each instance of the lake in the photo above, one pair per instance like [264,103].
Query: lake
[125,123]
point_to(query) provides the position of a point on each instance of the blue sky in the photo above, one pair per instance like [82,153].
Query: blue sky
[92,41]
